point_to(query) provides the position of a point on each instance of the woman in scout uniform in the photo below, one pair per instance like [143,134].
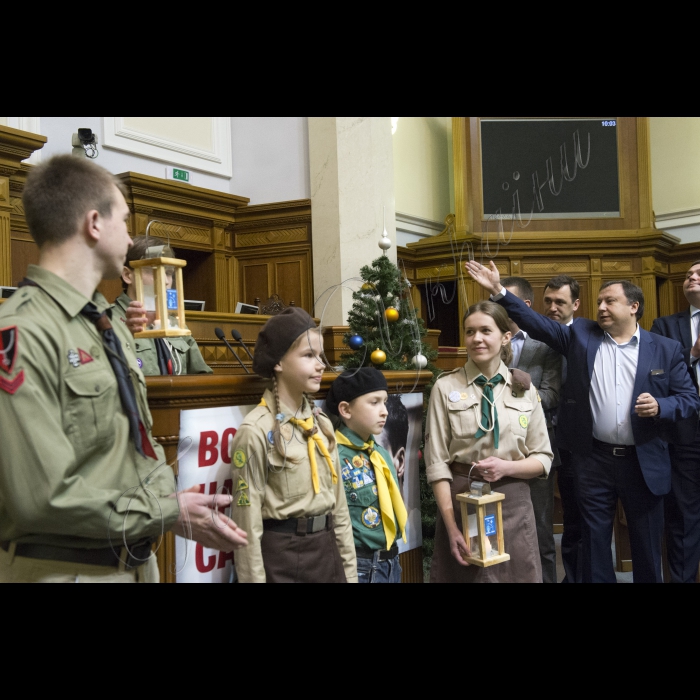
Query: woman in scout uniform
[371,484]
[486,423]
[167,356]
[289,490]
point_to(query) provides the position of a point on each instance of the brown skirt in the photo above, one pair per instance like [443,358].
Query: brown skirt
[520,532]
[289,558]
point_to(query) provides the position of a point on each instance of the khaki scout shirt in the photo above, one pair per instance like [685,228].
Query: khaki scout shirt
[453,421]
[69,473]
[280,489]
[186,354]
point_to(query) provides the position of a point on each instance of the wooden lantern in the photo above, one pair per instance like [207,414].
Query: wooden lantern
[482,522]
[165,308]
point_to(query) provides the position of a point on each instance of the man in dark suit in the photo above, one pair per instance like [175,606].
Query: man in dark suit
[624,385]
[544,367]
[682,505]
[561,302]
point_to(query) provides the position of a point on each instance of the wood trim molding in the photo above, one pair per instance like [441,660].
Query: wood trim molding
[218,161]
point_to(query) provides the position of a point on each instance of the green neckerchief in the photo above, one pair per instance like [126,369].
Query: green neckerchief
[488,408]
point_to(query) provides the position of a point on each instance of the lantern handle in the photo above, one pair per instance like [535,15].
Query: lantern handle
[156,221]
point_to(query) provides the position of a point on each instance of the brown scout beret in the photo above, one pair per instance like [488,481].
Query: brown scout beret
[277,336]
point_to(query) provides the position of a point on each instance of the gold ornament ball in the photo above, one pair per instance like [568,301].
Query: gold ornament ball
[392,315]
[367,287]
[378,358]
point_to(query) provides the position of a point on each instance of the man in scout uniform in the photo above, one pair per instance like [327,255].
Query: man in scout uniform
[156,356]
[371,484]
[84,489]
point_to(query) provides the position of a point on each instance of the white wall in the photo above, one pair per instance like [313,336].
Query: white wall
[270,156]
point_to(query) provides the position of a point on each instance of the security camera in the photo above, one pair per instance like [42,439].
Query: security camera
[85,143]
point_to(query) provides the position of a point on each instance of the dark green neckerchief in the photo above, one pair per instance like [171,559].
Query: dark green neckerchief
[487,386]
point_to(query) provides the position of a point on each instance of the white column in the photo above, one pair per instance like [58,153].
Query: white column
[352,181]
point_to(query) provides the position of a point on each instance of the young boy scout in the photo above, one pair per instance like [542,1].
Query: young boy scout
[371,484]
[84,489]
[156,357]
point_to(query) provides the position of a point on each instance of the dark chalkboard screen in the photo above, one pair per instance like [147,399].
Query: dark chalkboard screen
[550,168]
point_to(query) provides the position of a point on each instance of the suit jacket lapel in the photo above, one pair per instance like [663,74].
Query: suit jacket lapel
[646,356]
[529,350]
[595,340]
[684,327]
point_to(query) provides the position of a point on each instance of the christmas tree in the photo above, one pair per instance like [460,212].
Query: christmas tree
[385,331]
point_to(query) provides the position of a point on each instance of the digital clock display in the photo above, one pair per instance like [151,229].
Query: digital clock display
[610,123]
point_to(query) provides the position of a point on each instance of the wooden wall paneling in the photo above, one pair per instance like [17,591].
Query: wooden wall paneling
[291,279]
[255,281]
[24,254]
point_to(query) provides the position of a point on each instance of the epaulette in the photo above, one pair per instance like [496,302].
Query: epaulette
[522,381]
[452,371]
[21,297]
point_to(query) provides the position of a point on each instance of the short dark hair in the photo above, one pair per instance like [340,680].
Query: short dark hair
[396,424]
[59,192]
[138,251]
[633,293]
[697,262]
[525,290]
[560,281]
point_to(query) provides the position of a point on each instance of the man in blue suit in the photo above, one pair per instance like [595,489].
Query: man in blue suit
[682,505]
[624,387]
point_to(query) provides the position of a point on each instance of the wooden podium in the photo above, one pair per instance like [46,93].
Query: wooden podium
[168,396]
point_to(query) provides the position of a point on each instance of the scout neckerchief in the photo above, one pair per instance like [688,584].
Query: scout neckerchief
[127,394]
[489,416]
[390,501]
[311,434]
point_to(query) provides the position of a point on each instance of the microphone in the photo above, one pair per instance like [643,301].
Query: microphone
[239,339]
[222,336]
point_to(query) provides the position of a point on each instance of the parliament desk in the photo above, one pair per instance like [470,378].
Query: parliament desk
[168,397]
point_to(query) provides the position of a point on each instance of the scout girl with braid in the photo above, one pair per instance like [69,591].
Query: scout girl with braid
[377,509]
[486,423]
[289,490]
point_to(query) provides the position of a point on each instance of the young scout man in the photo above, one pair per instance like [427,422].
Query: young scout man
[84,489]
[156,356]
[371,485]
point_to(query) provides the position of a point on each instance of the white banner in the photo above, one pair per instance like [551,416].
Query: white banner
[207,464]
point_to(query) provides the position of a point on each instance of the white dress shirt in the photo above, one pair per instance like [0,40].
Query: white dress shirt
[612,390]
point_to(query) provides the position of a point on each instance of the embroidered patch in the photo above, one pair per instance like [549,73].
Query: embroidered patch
[85,359]
[8,349]
[358,462]
[524,422]
[12,386]
[240,459]
[375,491]
[371,519]
[74,359]
[244,501]
[242,486]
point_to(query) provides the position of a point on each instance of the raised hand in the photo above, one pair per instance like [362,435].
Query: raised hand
[488,277]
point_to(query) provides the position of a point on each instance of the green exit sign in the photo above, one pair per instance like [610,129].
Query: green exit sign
[181,175]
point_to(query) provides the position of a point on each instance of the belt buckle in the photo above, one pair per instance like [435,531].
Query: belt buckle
[318,524]
[619,452]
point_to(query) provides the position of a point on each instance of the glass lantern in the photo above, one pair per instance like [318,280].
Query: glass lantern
[482,523]
[164,303]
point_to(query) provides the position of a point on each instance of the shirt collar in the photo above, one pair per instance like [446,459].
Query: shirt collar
[354,438]
[473,373]
[520,335]
[693,311]
[303,414]
[637,335]
[65,295]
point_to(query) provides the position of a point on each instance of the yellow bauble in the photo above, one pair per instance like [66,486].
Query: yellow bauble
[378,358]
[367,287]
[392,315]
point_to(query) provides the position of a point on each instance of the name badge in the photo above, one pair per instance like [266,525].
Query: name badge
[657,372]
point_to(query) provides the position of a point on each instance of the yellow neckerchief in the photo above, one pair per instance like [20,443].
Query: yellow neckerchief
[311,433]
[390,501]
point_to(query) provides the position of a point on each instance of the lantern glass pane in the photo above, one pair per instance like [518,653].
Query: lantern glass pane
[174,296]
[491,530]
[150,298]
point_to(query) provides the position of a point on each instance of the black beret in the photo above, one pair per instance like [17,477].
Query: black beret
[277,336]
[353,384]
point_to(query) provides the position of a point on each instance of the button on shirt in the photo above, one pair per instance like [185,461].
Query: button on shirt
[612,389]
[517,344]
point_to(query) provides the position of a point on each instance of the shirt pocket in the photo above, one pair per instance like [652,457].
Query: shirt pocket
[461,419]
[180,348]
[92,401]
[290,476]
[519,412]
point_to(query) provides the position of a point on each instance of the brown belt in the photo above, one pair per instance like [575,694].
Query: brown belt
[302,526]
[137,555]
